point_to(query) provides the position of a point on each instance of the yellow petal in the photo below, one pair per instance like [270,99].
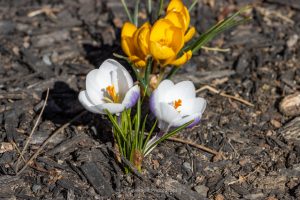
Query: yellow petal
[126,38]
[143,38]
[183,59]
[177,39]
[140,64]
[127,46]
[161,52]
[137,61]
[128,30]
[177,19]
[191,32]
[187,18]
[159,28]
[175,5]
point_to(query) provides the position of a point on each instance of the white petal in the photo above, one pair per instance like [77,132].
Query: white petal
[191,106]
[168,113]
[158,95]
[123,84]
[113,65]
[87,104]
[180,122]
[181,90]
[96,84]
[131,97]
[98,80]
[113,108]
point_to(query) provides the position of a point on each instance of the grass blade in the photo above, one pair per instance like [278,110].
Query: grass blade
[217,29]
[127,11]
[193,5]
[136,13]
[169,135]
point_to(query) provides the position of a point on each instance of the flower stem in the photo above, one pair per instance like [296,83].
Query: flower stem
[161,75]
[127,11]
[161,4]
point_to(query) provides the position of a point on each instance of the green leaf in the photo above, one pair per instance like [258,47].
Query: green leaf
[193,5]
[142,132]
[150,9]
[115,124]
[161,4]
[149,135]
[146,76]
[217,29]
[172,72]
[136,13]
[137,122]
[167,135]
[127,11]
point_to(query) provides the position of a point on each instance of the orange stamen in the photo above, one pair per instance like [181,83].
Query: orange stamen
[177,103]
[112,93]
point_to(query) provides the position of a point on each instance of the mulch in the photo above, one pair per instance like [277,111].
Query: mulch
[54,44]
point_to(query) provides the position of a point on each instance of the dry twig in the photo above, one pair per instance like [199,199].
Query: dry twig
[223,94]
[47,10]
[32,131]
[215,49]
[48,139]
[199,146]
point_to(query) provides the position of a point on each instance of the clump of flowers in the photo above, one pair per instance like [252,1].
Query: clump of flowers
[155,51]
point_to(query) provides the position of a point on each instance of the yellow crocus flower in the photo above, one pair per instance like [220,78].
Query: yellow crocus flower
[134,42]
[180,16]
[166,40]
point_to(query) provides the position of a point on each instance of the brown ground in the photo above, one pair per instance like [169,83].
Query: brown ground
[59,44]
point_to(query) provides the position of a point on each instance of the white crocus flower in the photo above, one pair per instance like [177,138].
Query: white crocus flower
[176,104]
[109,88]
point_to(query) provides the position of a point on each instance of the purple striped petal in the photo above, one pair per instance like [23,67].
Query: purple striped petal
[133,99]
[131,96]
[195,122]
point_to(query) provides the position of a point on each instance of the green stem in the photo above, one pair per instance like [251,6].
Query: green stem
[162,71]
[127,11]
[136,13]
[193,5]
[173,71]
[161,4]
[150,10]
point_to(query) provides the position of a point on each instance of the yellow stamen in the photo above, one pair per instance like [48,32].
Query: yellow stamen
[177,103]
[112,93]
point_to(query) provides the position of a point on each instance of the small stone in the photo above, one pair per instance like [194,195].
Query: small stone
[254,196]
[181,150]
[275,123]
[292,40]
[6,146]
[219,197]
[36,188]
[187,166]
[290,105]
[271,198]
[201,189]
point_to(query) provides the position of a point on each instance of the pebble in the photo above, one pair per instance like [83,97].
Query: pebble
[36,188]
[187,166]
[275,123]
[202,189]
[292,40]
[290,105]
[254,196]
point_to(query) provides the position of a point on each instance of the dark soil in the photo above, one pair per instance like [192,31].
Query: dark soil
[54,44]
